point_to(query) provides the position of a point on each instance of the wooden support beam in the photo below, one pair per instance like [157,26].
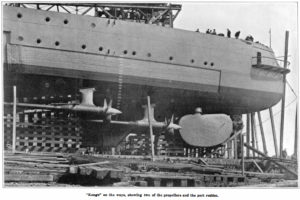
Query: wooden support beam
[258,167]
[296,134]
[150,128]
[248,135]
[252,133]
[14,132]
[285,63]
[270,159]
[262,133]
[255,132]
[235,150]
[273,131]
[242,154]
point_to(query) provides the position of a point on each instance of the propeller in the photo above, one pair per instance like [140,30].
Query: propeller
[171,126]
[109,110]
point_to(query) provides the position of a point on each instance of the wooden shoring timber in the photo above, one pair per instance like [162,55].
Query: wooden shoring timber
[235,148]
[275,162]
[242,153]
[248,135]
[45,131]
[14,131]
[285,63]
[258,167]
[253,129]
[273,131]
[296,134]
[150,128]
[262,133]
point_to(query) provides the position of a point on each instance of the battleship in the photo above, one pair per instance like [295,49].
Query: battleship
[96,85]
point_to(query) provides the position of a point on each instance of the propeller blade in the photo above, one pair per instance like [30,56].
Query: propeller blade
[171,126]
[105,104]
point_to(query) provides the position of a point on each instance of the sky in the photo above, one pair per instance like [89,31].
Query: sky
[256,19]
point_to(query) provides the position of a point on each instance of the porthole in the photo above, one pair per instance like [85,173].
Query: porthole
[192,61]
[149,54]
[38,41]
[212,64]
[93,25]
[19,15]
[20,38]
[134,53]
[125,51]
[170,58]
[205,63]
[100,48]
[57,43]
[83,46]
[47,19]
[66,21]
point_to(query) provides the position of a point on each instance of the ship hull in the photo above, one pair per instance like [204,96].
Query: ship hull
[179,70]
[129,97]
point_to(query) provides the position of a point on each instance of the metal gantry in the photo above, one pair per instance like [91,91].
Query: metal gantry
[150,13]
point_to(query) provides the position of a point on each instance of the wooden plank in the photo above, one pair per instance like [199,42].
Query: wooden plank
[31,169]
[28,178]
[34,164]
[92,164]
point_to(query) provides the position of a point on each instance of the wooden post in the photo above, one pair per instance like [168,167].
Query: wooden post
[229,149]
[296,134]
[274,132]
[252,133]
[255,131]
[283,97]
[14,132]
[242,154]
[235,148]
[150,128]
[268,158]
[248,134]
[262,133]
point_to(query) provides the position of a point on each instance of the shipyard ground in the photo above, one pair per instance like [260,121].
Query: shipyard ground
[76,170]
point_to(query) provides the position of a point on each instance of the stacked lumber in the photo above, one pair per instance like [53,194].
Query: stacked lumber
[22,167]
[98,170]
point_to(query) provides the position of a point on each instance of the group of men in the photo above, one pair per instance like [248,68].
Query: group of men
[236,35]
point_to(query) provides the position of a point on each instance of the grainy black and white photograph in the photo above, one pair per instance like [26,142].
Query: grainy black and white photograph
[150,94]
